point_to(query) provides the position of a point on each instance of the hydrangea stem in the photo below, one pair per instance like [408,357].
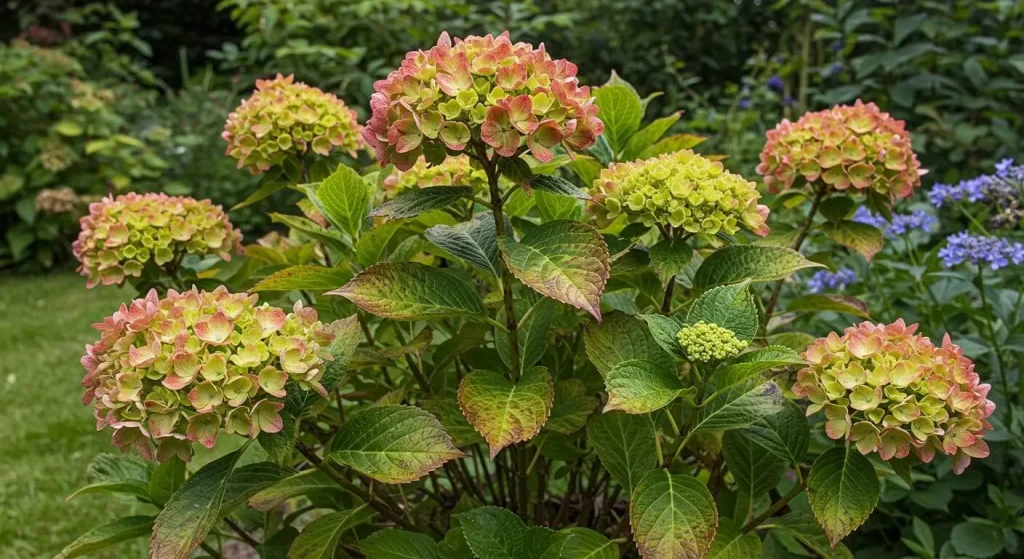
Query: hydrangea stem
[990,330]
[776,507]
[804,231]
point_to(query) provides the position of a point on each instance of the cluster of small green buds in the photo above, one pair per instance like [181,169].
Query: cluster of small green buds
[179,369]
[121,235]
[284,117]
[704,342]
[682,190]
[62,200]
[55,155]
[511,96]
[453,171]
[858,146]
[890,391]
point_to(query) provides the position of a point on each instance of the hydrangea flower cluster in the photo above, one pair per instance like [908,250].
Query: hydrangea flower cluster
[824,280]
[176,370]
[890,391]
[1006,169]
[680,189]
[1000,191]
[120,235]
[901,224]
[54,201]
[704,342]
[483,88]
[858,146]
[55,155]
[284,117]
[996,252]
[453,171]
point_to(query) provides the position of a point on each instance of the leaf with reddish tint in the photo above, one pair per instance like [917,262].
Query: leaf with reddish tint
[843,490]
[564,260]
[309,277]
[862,238]
[672,516]
[411,291]
[505,412]
[830,302]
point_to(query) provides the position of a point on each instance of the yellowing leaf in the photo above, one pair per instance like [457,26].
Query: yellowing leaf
[505,412]
[641,386]
[411,291]
[735,263]
[319,539]
[842,489]
[307,276]
[673,516]
[862,238]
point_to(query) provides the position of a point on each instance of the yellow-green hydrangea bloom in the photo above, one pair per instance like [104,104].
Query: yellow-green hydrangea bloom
[55,155]
[683,190]
[179,369]
[121,235]
[453,171]
[704,342]
[284,117]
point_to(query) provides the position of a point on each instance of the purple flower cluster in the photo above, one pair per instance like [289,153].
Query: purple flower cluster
[825,280]
[775,82]
[985,188]
[901,223]
[1005,169]
[995,251]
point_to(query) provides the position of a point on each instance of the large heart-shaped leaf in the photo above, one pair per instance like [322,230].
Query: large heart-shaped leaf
[411,291]
[393,444]
[641,386]
[625,444]
[505,412]
[843,490]
[735,263]
[475,241]
[673,516]
[415,202]
[564,260]
[319,539]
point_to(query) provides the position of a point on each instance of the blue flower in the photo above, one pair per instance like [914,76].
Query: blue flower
[825,280]
[788,101]
[1006,169]
[867,217]
[837,46]
[744,103]
[776,83]
[901,224]
[995,251]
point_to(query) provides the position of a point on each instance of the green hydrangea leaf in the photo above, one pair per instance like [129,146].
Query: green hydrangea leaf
[837,208]
[756,263]
[588,544]
[978,538]
[559,186]
[739,407]
[641,386]
[447,410]
[310,277]
[308,227]
[454,545]
[415,202]
[303,483]
[475,241]
[344,199]
[552,207]
[393,444]
[621,112]
[672,144]
[166,479]
[648,135]
[843,490]
[669,258]
[319,539]
[729,306]
[493,533]
[625,443]
[505,412]
[860,237]
[751,364]
[672,516]
[392,543]
[564,260]
[572,407]
[620,338]
[411,291]
[755,471]
[731,543]
[802,527]
[276,546]
[665,331]
[532,334]
[374,244]
[830,302]
[111,533]
[785,434]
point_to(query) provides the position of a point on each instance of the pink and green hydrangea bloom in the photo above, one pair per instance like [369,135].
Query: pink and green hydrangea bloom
[121,235]
[283,118]
[510,96]
[453,171]
[682,190]
[889,391]
[856,146]
[171,371]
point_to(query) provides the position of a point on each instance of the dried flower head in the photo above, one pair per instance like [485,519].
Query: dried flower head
[858,146]
[482,88]
[680,189]
[284,117]
[890,391]
[121,235]
[453,171]
[54,201]
[705,342]
[176,370]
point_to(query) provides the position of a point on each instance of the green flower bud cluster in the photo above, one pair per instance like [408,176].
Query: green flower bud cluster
[120,235]
[704,342]
[55,155]
[284,117]
[454,171]
[680,189]
[175,370]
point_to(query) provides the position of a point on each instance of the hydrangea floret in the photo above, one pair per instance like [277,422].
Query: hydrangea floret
[284,117]
[60,200]
[681,189]
[705,342]
[825,280]
[171,371]
[121,235]
[846,146]
[489,89]
[453,171]
[890,391]
[995,252]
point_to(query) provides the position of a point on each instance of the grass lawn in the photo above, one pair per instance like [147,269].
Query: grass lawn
[47,437]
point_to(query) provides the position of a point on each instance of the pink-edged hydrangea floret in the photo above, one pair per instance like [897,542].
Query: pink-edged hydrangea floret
[891,391]
[170,371]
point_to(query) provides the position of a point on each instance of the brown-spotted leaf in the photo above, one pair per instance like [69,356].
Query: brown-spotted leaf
[505,412]
[565,260]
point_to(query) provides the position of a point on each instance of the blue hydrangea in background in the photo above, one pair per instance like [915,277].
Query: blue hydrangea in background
[1005,169]
[901,223]
[996,252]
[776,83]
[824,280]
